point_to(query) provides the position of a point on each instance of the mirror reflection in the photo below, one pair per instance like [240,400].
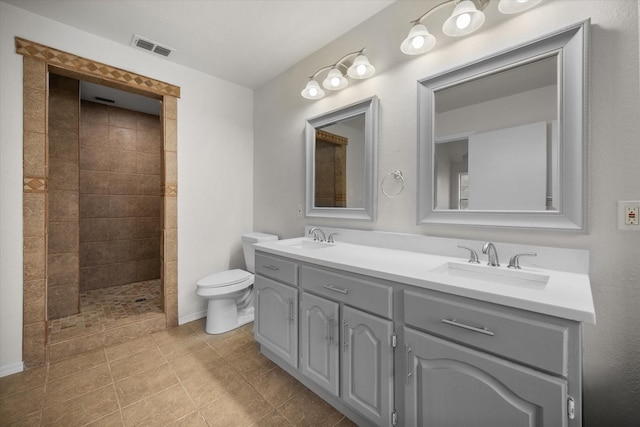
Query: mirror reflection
[339,164]
[496,140]
[341,148]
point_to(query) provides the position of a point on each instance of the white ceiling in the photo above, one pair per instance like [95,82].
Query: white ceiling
[247,42]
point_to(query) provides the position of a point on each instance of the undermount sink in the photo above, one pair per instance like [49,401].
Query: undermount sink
[501,275]
[308,244]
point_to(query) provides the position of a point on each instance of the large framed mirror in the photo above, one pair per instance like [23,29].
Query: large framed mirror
[341,164]
[503,141]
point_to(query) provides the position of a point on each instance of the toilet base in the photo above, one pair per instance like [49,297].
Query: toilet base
[223,316]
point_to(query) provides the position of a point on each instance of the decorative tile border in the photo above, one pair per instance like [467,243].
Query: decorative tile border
[69,61]
[170,190]
[35,185]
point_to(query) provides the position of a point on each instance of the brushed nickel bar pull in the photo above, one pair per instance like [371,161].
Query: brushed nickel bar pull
[408,363]
[271,267]
[345,333]
[330,327]
[336,289]
[453,322]
[291,318]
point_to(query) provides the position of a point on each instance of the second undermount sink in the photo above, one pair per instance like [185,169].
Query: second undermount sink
[501,275]
[304,243]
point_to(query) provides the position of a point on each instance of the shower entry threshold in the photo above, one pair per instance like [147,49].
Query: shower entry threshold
[107,316]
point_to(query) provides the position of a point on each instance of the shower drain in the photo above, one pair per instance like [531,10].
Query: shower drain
[141,300]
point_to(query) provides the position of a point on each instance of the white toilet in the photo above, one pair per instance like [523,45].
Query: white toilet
[230,293]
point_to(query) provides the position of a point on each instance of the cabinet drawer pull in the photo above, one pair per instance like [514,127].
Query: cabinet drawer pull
[330,332]
[271,267]
[453,322]
[336,289]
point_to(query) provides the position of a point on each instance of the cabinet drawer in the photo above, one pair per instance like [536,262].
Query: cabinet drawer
[356,291]
[276,268]
[517,335]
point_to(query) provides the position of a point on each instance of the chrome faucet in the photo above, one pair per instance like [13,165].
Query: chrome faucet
[314,231]
[492,254]
[330,238]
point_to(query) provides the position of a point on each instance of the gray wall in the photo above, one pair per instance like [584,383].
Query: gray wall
[612,371]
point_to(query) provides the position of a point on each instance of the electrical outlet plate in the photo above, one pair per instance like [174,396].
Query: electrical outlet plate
[628,215]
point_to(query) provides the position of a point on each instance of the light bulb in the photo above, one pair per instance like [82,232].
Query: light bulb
[313,91]
[417,42]
[521,1]
[361,69]
[463,21]
[335,82]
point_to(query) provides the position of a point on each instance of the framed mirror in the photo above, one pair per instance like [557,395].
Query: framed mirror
[502,141]
[341,164]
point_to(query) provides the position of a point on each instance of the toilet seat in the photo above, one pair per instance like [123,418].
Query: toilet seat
[224,282]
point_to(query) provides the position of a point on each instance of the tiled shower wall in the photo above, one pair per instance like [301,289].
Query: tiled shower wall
[62,198]
[120,196]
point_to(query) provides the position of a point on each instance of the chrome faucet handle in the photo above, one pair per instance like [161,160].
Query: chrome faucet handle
[330,238]
[514,262]
[473,255]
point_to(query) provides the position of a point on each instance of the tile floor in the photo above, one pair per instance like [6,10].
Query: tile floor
[104,307]
[174,377]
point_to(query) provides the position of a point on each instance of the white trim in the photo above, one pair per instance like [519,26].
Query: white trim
[14,368]
[191,317]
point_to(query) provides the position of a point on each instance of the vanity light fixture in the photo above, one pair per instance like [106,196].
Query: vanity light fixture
[359,68]
[467,17]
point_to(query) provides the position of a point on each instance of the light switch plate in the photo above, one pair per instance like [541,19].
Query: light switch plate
[628,211]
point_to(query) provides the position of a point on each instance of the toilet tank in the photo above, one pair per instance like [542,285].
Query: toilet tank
[247,245]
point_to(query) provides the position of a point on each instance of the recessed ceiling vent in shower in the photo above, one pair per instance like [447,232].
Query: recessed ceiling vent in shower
[150,46]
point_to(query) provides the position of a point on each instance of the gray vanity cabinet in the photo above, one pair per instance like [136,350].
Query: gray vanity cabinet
[360,341]
[472,363]
[319,341]
[451,385]
[367,364]
[276,307]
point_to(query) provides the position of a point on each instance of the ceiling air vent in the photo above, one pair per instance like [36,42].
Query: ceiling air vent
[151,46]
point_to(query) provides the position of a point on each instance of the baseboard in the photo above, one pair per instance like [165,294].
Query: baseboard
[191,317]
[11,369]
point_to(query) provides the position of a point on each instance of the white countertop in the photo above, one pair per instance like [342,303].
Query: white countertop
[566,294]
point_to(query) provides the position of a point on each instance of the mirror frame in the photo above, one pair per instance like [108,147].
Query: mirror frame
[369,107]
[571,47]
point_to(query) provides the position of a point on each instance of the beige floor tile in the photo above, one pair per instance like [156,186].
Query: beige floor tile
[28,421]
[251,365]
[197,363]
[240,341]
[145,384]
[183,345]
[112,420]
[307,409]
[18,405]
[346,422]
[277,386]
[136,363]
[77,363]
[22,381]
[168,336]
[209,386]
[160,409]
[82,410]
[128,348]
[272,419]
[193,419]
[241,407]
[77,384]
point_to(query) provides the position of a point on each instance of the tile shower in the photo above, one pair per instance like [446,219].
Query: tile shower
[104,212]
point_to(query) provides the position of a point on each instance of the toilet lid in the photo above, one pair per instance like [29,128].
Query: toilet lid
[224,278]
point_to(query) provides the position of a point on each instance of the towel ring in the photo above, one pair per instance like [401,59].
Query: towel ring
[397,174]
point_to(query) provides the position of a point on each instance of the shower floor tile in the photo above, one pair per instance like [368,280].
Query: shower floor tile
[102,308]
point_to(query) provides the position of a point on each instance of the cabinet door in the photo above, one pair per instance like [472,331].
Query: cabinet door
[367,365]
[275,319]
[451,385]
[319,341]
